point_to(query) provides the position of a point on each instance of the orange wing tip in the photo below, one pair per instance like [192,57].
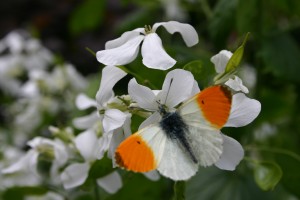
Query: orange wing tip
[215,103]
[134,154]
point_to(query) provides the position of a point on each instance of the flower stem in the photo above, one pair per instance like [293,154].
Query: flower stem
[206,9]
[96,191]
[91,51]
[179,190]
[274,150]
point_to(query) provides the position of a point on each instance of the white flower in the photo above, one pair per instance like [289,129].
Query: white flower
[91,148]
[183,86]
[125,49]
[237,85]
[111,118]
[220,61]
[53,149]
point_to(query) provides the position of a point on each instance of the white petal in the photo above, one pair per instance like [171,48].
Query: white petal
[154,118]
[111,183]
[144,96]
[232,154]
[154,55]
[220,60]
[113,119]
[152,175]
[124,38]
[110,76]
[178,90]
[188,33]
[236,85]
[75,175]
[117,137]
[195,89]
[87,121]
[121,55]
[25,163]
[243,110]
[86,143]
[83,102]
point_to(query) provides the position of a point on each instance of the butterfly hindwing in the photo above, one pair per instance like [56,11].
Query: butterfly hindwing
[142,151]
[205,114]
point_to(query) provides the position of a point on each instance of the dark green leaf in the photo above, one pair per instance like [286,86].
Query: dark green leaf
[247,16]
[18,193]
[267,175]
[87,16]
[202,73]
[281,55]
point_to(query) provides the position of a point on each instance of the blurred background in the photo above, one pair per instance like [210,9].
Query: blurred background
[270,68]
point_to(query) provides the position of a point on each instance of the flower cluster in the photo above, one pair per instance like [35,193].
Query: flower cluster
[76,154]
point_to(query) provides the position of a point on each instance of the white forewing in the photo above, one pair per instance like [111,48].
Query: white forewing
[192,115]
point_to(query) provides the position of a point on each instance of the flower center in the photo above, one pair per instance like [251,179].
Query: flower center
[148,29]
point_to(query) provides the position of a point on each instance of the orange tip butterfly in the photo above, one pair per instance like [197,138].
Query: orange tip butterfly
[182,140]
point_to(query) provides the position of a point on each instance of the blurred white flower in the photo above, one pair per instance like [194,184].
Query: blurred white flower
[47,196]
[90,148]
[54,150]
[174,10]
[125,49]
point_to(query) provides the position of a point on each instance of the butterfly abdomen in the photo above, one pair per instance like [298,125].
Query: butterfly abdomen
[174,127]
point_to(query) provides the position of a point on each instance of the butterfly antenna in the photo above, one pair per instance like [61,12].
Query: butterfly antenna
[171,81]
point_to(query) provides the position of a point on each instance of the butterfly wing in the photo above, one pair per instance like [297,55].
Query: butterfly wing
[208,109]
[205,114]
[150,149]
[142,151]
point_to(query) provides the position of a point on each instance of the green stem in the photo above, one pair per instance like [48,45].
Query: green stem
[91,51]
[206,9]
[96,191]
[274,150]
[179,190]
[137,76]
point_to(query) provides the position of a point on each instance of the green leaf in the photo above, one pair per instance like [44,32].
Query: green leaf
[281,54]
[20,192]
[220,25]
[267,175]
[236,58]
[202,73]
[87,16]
[247,16]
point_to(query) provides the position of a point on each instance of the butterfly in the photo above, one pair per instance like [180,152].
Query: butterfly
[182,140]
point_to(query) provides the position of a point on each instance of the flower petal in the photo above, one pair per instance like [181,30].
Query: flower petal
[152,175]
[195,89]
[144,96]
[124,38]
[154,55]
[188,33]
[87,121]
[86,143]
[243,110]
[237,85]
[177,87]
[83,102]
[220,60]
[111,183]
[74,175]
[154,118]
[121,55]
[110,76]
[113,119]
[232,154]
